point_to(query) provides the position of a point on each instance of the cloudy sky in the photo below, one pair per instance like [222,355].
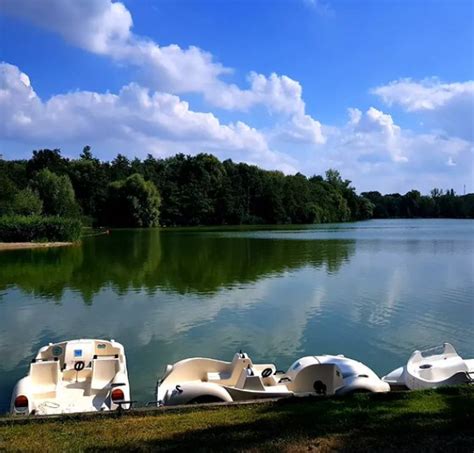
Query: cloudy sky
[383,91]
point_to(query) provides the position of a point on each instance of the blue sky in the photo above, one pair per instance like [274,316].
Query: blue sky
[381,90]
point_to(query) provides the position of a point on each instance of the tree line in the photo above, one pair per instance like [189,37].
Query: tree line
[198,190]
[438,204]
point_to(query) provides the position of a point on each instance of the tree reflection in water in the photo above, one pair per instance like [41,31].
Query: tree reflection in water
[178,261]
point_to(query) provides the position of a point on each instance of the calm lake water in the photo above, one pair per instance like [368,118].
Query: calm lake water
[374,291]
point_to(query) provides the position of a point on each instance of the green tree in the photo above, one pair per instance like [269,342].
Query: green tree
[333,177]
[47,158]
[297,202]
[366,208]
[411,204]
[86,153]
[379,210]
[27,202]
[56,193]
[133,202]
[8,191]
[120,167]
[90,179]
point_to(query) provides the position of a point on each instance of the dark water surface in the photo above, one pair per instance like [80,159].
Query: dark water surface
[372,290]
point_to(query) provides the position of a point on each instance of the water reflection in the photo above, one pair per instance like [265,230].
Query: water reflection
[150,259]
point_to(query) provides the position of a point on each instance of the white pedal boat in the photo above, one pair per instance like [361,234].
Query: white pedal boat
[74,376]
[432,368]
[203,380]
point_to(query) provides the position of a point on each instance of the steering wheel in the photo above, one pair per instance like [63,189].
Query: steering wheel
[78,366]
[267,372]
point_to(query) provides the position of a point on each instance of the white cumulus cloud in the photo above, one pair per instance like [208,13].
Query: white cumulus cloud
[427,94]
[135,117]
[278,93]
[94,25]
[300,129]
[374,152]
[105,27]
[375,125]
[445,106]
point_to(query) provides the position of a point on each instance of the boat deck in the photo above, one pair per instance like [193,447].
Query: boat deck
[71,397]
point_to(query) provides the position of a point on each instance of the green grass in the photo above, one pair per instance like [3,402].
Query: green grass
[431,420]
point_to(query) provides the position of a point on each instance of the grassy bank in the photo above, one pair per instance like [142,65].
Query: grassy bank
[420,421]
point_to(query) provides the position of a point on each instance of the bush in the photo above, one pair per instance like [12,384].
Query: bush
[36,228]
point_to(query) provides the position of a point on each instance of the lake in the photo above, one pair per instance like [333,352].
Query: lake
[373,291]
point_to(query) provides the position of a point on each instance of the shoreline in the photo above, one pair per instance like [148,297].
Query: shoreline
[33,245]
[426,420]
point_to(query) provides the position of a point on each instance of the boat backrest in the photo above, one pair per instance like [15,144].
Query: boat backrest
[241,380]
[444,351]
[238,357]
[45,375]
[104,370]
[239,361]
[448,350]
[236,367]
[78,351]
[230,375]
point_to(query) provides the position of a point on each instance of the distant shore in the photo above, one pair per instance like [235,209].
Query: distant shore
[32,245]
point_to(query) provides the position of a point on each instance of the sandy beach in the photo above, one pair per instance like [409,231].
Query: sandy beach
[32,245]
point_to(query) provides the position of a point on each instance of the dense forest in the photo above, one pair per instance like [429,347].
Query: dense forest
[198,190]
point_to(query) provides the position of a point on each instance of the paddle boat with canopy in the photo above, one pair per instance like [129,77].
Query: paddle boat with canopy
[74,376]
[204,380]
[432,368]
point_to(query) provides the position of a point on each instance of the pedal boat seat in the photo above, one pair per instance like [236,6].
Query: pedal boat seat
[437,369]
[104,370]
[231,374]
[44,378]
